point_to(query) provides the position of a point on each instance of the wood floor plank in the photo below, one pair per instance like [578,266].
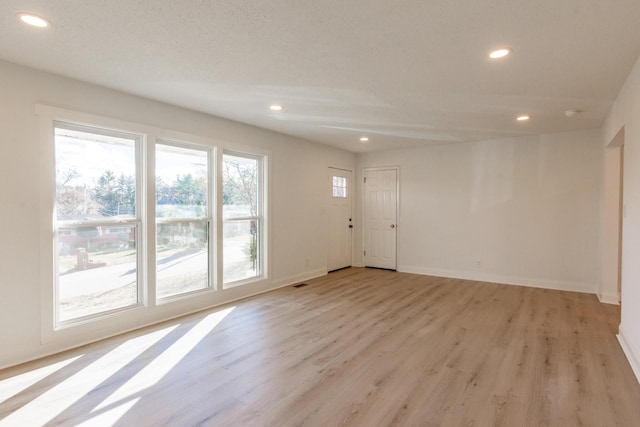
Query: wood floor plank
[358,347]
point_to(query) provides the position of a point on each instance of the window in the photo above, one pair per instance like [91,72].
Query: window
[339,187]
[242,209]
[126,239]
[97,221]
[183,221]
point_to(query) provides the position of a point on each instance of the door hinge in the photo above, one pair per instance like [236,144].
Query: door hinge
[365,253]
[365,179]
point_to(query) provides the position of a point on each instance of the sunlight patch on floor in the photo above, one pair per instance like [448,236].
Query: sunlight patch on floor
[110,416]
[56,400]
[152,373]
[15,385]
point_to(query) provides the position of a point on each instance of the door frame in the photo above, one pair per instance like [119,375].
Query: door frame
[350,187]
[363,210]
[610,288]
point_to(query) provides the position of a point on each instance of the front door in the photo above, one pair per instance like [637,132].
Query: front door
[340,219]
[380,214]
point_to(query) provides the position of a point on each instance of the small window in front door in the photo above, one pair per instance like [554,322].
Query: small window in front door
[339,187]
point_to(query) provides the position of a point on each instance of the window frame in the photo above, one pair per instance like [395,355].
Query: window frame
[261,218]
[135,222]
[209,219]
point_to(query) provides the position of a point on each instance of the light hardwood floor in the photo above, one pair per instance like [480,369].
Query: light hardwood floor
[358,347]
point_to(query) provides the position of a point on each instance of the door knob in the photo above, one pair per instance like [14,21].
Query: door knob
[393,226]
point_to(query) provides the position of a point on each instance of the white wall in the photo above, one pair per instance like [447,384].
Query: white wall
[298,203]
[626,113]
[526,208]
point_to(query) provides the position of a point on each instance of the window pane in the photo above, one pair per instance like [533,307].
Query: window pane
[96,269]
[240,187]
[181,182]
[95,175]
[339,192]
[182,258]
[241,250]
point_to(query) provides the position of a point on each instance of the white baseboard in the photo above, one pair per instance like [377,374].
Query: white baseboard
[308,275]
[609,298]
[633,356]
[506,280]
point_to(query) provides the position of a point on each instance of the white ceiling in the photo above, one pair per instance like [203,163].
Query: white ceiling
[404,72]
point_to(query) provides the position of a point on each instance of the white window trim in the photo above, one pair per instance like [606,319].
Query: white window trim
[48,116]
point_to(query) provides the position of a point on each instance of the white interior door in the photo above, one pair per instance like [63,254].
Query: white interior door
[380,215]
[340,219]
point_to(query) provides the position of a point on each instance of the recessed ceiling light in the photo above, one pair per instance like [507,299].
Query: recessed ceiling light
[33,20]
[571,113]
[275,107]
[500,53]
[364,139]
[523,118]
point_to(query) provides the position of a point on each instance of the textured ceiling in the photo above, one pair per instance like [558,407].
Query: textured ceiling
[405,72]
